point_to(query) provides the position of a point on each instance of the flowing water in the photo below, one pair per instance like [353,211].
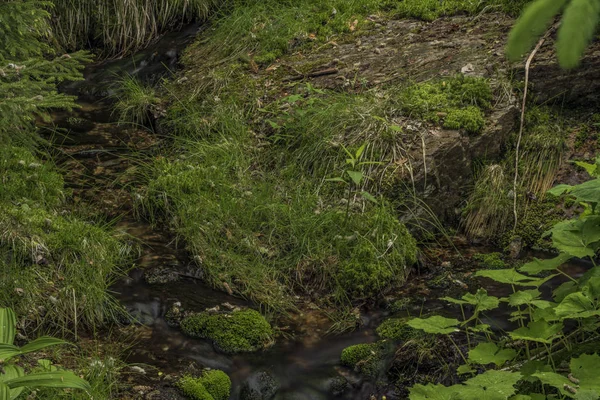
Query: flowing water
[99,157]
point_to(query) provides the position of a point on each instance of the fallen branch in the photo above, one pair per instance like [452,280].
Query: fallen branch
[323,72]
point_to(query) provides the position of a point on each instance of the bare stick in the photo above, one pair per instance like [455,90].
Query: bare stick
[527,64]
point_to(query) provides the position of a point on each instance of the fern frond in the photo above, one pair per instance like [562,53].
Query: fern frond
[576,30]
[531,25]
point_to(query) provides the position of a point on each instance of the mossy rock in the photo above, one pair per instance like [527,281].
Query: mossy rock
[212,385]
[259,386]
[395,329]
[234,332]
[490,260]
[366,358]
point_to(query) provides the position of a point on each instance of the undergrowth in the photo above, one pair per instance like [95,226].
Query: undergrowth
[56,268]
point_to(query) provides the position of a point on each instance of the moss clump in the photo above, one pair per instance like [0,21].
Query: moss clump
[456,103]
[490,260]
[239,331]
[395,329]
[366,358]
[212,385]
[533,222]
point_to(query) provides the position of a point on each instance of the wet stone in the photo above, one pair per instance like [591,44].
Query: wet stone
[259,386]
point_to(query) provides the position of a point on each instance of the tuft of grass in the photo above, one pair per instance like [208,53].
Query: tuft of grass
[121,26]
[134,101]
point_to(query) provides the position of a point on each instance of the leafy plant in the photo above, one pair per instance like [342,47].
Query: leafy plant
[577,28]
[353,176]
[547,329]
[13,379]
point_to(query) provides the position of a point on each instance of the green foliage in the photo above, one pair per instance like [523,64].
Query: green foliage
[29,71]
[134,101]
[212,385]
[13,379]
[545,326]
[430,10]
[456,103]
[118,27]
[55,269]
[576,30]
[272,234]
[239,331]
[364,358]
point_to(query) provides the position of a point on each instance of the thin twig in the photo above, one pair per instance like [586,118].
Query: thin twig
[522,124]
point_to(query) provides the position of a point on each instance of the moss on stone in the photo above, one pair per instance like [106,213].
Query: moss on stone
[395,329]
[455,103]
[212,385]
[239,331]
[490,260]
[366,358]
[194,389]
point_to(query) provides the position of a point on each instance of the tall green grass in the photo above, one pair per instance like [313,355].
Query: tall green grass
[121,26]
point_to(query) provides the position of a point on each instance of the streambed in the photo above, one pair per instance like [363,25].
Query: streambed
[101,162]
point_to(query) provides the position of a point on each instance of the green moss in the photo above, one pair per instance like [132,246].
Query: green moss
[471,119]
[538,218]
[194,389]
[490,260]
[366,358]
[456,103]
[239,331]
[395,329]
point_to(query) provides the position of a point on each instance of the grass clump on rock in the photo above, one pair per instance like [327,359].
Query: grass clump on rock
[212,385]
[235,332]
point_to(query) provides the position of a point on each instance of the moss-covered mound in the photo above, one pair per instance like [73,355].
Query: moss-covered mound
[395,329]
[366,358]
[212,385]
[238,331]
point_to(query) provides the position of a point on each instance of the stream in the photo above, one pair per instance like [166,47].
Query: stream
[99,158]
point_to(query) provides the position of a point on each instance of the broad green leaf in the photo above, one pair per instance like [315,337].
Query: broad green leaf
[575,237]
[509,276]
[11,372]
[534,366]
[563,290]
[57,379]
[581,304]
[560,189]
[433,392]
[537,331]
[454,301]
[530,396]
[487,353]
[577,29]
[589,168]
[547,314]
[555,380]
[41,343]
[522,297]
[435,324]
[481,300]
[536,266]
[4,392]
[356,176]
[533,22]
[8,351]
[8,326]
[369,197]
[586,368]
[491,385]
[587,191]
